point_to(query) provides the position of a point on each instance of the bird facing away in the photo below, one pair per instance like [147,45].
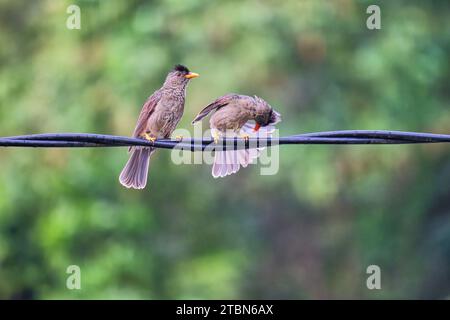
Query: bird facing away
[238,115]
[159,117]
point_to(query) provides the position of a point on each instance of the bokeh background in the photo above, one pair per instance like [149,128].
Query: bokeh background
[308,232]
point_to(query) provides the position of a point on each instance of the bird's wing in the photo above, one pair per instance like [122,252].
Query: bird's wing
[219,103]
[146,112]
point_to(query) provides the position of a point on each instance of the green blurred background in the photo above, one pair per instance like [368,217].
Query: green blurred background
[308,232]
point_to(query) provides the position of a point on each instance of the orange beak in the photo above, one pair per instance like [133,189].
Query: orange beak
[191,75]
[256,128]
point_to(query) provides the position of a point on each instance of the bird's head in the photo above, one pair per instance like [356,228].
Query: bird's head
[265,115]
[180,76]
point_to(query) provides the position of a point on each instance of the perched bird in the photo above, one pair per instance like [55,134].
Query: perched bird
[238,116]
[158,119]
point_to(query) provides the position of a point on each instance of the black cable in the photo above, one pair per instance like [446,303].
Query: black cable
[78,140]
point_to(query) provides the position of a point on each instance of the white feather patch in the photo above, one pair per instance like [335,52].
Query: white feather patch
[229,162]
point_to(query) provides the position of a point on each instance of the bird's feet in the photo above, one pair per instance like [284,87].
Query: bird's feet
[149,137]
[245,137]
[179,138]
[215,136]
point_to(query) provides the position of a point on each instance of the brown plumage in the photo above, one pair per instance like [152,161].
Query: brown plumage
[158,119]
[238,115]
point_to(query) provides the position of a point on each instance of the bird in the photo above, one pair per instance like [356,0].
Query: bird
[238,116]
[159,117]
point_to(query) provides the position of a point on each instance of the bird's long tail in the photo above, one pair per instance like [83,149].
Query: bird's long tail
[134,174]
[229,162]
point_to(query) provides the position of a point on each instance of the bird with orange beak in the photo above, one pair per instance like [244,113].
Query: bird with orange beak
[238,116]
[158,119]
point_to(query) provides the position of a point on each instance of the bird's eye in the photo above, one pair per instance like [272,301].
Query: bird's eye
[260,119]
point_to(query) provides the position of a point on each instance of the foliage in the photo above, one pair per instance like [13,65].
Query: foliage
[308,232]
